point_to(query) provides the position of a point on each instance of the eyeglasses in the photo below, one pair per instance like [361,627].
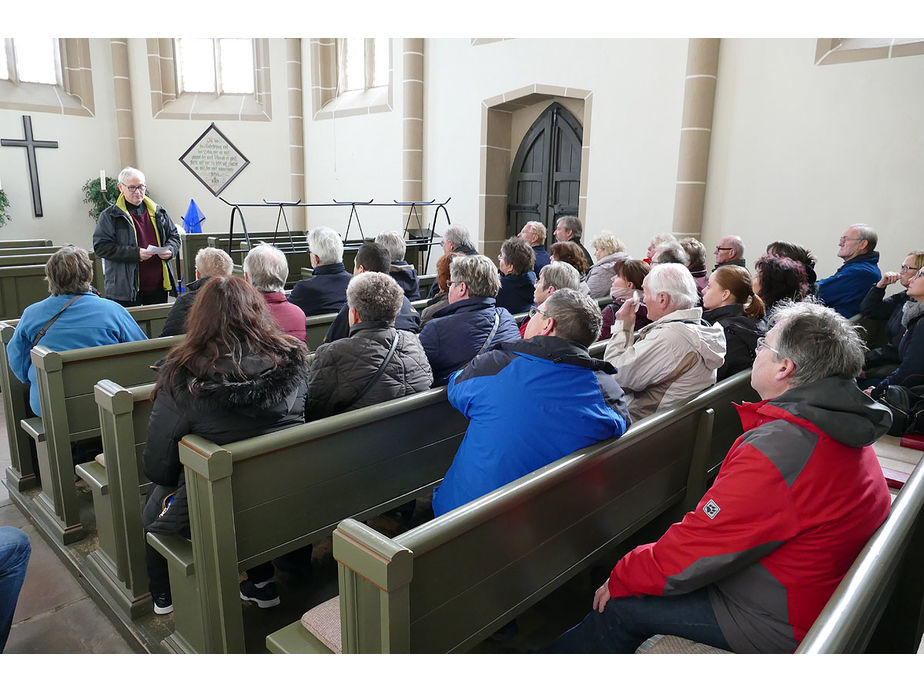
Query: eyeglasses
[135,188]
[762,344]
[718,247]
[906,268]
[535,309]
[844,239]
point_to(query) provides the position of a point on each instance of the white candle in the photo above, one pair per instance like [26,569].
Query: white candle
[1,185]
[102,180]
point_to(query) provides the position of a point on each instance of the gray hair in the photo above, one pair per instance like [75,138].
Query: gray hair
[696,251]
[573,224]
[577,316]
[866,233]
[538,228]
[478,273]
[324,242]
[518,254]
[735,243]
[375,296]
[459,236]
[267,267]
[660,238]
[560,275]
[675,280]
[214,262]
[394,243]
[608,243]
[820,342]
[69,271]
[670,252]
[129,172]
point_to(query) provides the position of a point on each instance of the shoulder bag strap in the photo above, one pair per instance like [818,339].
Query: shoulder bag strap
[41,332]
[373,379]
[487,342]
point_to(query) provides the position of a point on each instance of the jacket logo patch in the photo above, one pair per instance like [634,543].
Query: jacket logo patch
[711,509]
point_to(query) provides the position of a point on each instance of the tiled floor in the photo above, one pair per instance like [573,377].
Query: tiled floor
[55,613]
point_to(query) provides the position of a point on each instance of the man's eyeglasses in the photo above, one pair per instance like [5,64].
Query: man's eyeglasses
[135,188]
[535,309]
[762,344]
[718,247]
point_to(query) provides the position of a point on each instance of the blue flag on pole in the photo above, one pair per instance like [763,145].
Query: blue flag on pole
[192,222]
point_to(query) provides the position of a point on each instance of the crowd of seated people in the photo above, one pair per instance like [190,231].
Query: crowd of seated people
[671,332]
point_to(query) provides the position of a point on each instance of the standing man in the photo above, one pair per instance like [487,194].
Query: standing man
[134,275]
[571,229]
[844,290]
[797,496]
[533,232]
[729,251]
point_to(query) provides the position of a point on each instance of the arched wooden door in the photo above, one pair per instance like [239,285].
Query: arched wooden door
[545,180]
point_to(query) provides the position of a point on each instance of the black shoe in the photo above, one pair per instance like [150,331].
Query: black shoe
[163,603]
[262,594]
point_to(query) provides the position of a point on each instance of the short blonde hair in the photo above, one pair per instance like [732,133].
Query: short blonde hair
[608,244]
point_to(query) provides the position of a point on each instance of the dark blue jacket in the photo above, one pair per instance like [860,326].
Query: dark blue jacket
[507,394]
[408,320]
[456,333]
[406,276]
[844,290]
[877,307]
[542,258]
[516,292]
[910,371]
[324,292]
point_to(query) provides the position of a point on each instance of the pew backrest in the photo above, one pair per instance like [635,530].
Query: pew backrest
[23,285]
[24,243]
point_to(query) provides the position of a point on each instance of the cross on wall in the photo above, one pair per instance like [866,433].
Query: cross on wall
[31,144]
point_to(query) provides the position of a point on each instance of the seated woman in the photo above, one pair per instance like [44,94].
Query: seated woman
[801,255]
[572,254]
[777,278]
[74,316]
[552,277]
[696,262]
[471,323]
[910,371]
[729,300]
[441,298]
[628,278]
[883,360]
[518,280]
[376,363]
[607,250]
[235,376]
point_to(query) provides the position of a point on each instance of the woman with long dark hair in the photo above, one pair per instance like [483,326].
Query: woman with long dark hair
[730,301]
[235,376]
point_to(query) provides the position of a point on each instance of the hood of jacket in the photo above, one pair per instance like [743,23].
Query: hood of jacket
[706,340]
[254,382]
[835,405]
[558,350]
[871,257]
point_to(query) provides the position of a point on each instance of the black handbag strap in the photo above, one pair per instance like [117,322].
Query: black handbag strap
[372,381]
[41,332]
[487,342]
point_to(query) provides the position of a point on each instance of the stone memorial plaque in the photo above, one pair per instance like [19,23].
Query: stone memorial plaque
[214,160]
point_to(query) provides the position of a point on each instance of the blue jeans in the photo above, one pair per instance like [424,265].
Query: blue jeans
[14,557]
[629,621]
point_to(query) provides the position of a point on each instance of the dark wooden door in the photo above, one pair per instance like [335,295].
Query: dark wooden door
[545,180]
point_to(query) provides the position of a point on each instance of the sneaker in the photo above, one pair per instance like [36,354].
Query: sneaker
[263,594]
[163,603]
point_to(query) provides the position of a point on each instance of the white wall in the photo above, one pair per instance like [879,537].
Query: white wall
[799,151]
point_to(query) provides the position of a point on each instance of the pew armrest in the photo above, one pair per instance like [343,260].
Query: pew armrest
[176,550]
[318,632]
[35,427]
[95,475]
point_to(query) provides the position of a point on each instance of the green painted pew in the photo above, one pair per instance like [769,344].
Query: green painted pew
[879,605]
[450,583]
[20,474]
[69,414]
[23,243]
[117,482]
[23,285]
[257,499]
[30,250]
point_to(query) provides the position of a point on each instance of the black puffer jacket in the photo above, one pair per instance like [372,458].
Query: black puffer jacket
[741,335]
[222,407]
[341,369]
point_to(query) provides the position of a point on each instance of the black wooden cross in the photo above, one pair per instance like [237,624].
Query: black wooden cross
[31,145]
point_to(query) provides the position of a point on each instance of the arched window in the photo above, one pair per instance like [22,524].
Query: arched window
[33,60]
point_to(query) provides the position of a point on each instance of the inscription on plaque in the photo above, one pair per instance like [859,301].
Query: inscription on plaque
[214,160]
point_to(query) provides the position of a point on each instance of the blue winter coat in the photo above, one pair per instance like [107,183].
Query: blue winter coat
[844,290]
[89,321]
[876,306]
[507,394]
[542,258]
[456,333]
[910,371]
[406,276]
[324,292]
[516,292]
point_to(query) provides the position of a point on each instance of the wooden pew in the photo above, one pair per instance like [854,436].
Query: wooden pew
[257,499]
[20,475]
[879,605]
[117,482]
[448,584]
[65,381]
[24,243]
[23,285]
[190,244]
[46,250]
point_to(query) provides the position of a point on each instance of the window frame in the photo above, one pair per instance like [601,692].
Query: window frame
[73,93]
[217,67]
[326,99]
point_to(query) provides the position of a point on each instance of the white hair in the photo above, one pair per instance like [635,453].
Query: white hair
[676,281]
[129,172]
[394,243]
[266,267]
[324,242]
